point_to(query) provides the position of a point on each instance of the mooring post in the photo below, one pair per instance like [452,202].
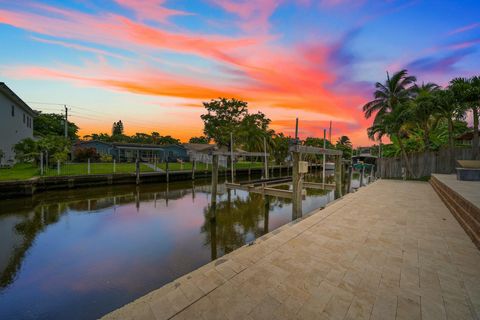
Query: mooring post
[167,171]
[137,170]
[297,187]
[350,176]
[265,155]
[338,176]
[193,170]
[214,179]
[362,172]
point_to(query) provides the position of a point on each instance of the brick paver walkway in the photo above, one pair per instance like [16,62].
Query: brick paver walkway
[389,251]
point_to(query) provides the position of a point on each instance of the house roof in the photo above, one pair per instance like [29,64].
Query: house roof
[12,96]
[131,145]
[199,147]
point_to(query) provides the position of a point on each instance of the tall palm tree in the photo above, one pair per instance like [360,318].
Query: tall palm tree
[395,90]
[467,93]
[344,141]
[388,97]
[449,108]
[475,81]
[424,109]
[394,125]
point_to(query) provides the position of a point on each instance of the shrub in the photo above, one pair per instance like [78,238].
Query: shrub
[83,154]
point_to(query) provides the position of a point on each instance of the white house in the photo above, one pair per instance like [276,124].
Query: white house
[16,122]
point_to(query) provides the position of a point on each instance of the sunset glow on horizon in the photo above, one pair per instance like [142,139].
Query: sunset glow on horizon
[151,63]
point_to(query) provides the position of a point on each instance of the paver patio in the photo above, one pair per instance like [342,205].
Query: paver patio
[389,251]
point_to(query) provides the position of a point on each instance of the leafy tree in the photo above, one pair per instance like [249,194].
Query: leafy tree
[117,128]
[317,142]
[253,130]
[56,147]
[26,150]
[52,124]
[222,118]
[200,140]
[281,145]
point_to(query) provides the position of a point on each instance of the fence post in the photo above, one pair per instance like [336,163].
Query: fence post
[114,166]
[58,167]
[88,166]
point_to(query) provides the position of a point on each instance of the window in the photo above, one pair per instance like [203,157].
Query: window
[13,111]
[24,118]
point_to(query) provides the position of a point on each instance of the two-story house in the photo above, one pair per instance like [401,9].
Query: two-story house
[16,122]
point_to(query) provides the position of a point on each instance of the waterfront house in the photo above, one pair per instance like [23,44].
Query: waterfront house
[127,152]
[16,123]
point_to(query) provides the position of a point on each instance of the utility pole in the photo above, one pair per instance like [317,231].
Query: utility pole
[330,132]
[66,121]
[324,156]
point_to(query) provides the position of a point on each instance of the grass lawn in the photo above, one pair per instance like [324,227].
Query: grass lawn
[22,171]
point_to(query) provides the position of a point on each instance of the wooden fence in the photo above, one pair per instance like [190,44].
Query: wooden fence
[422,164]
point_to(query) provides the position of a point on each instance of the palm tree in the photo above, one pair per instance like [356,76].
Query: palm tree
[467,92]
[392,95]
[344,141]
[395,125]
[449,108]
[395,90]
[475,81]
[424,109]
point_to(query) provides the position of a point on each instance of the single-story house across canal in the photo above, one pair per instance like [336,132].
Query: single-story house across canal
[127,152]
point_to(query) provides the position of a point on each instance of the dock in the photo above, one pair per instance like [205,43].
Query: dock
[392,250]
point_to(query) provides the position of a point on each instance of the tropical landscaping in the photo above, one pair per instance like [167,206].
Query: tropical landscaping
[423,117]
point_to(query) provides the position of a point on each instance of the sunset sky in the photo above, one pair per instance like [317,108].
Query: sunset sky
[151,63]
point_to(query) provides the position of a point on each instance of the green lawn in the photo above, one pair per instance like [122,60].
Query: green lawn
[24,171]
[20,171]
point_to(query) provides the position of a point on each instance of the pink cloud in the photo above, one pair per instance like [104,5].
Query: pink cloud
[465,28]
[254,15]
[153,10]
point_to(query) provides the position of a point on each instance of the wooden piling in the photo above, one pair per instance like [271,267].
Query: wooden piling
[193,170]
[137,171]
[338,176]
[297,187]
[214,179]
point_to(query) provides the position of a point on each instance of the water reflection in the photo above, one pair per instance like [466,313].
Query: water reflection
[79,254]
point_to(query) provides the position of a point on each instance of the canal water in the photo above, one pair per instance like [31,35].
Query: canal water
[82,253]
